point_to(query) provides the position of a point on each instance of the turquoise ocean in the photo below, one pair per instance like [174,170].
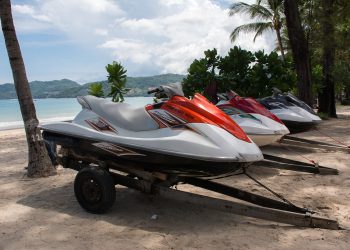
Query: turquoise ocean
[50,109]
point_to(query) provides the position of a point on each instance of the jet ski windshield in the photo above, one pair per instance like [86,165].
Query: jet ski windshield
[291,98]
[173,89]
[249,105]
[169,90]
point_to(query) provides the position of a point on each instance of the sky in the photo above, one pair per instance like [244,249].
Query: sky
[76,39]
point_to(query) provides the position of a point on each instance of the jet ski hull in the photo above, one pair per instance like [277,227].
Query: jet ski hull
[297,127]
[265,139]
[294,113]
[295,120]
[260,129]
[146,159]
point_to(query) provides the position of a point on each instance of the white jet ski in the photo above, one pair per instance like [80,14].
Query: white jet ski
[260,128]
[178,136]
[296,114]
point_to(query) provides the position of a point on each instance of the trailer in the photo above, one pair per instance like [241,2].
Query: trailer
[94,188]
[312,144]
[277,162]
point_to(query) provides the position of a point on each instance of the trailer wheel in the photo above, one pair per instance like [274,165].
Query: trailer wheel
[94,189]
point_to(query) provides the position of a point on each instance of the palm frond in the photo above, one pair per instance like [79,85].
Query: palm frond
[250,27]
[253,10]
[262,28]
[275,5]
[238,8]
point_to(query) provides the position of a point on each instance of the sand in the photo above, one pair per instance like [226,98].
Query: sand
[43,213]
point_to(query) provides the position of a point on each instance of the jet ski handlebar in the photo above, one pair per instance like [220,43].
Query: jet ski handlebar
[170,90]
[155,90]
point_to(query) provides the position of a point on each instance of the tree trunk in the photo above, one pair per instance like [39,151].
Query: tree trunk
[39,163]
[300,50]
[347,92]
[326,96]
[279,39]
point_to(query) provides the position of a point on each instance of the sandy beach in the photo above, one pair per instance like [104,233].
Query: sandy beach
[43,213]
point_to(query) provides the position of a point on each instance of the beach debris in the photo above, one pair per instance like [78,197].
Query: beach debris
[154,217]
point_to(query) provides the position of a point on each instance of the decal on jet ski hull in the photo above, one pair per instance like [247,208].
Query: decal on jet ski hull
[116,150]
[101,125]
[165,118]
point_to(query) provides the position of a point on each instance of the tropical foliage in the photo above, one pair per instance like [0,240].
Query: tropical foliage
[267,15]
[248,73]
[316,33]
[201,73]
[117,80]
[96,89]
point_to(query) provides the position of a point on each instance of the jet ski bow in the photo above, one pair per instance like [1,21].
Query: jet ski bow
[261,126]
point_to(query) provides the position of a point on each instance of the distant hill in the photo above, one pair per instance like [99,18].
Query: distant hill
[40,89]
[67,88]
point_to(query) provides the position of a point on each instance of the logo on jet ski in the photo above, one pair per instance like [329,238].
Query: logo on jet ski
[101,125]
[166,118]
[116,150]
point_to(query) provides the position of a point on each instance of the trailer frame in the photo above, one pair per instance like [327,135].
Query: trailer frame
[313,144]
[160,184]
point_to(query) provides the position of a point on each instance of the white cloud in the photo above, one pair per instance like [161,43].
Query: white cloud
[101,32]
[128,49]
[181,36]
[166,34]
[75,18]
[23,9]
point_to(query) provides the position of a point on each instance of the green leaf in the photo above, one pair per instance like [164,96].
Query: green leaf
[96,89]
[117,80]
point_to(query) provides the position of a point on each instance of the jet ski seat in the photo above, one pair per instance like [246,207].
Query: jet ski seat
[122,115]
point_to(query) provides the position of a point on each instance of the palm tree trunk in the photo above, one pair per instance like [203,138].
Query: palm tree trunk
[279,39]
[39,163]
[300,50]
[326,95]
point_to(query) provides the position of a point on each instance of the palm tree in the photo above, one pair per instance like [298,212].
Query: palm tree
[39,163]
[270,17]
[117,81]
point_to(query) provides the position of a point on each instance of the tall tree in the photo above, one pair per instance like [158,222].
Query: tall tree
[300,50]
[39,163]
[268,12]
[326,95]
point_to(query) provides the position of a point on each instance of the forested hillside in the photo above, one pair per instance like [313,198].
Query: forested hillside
[67,88]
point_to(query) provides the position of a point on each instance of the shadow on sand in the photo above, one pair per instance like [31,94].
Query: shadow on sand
[135,209]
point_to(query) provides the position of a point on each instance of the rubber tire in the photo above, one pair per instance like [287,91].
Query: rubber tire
[105,183]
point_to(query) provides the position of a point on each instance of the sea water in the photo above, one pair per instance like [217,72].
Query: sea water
[50,109]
